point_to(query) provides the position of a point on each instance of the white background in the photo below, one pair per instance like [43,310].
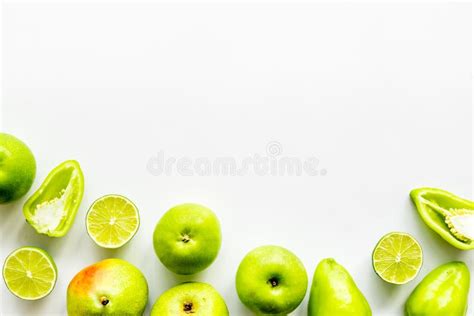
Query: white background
[380,94]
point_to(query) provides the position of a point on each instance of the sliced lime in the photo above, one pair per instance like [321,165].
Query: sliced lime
[112,221]
[397,258]
[30,273]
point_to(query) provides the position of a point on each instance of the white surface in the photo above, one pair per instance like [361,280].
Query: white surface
[380,94]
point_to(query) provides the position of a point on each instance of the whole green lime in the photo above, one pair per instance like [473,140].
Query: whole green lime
[17,168]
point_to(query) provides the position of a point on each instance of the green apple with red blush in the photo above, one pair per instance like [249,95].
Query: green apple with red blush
[108,287]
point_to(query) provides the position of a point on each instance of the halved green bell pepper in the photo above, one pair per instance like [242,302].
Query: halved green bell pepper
[52,208]
[443,292]
[448,215]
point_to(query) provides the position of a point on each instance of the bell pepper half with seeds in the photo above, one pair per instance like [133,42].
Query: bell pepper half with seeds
[448,215]
[52,208]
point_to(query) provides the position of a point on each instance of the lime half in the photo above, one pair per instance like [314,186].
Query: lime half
[30,273]
[397,258]
[112,221]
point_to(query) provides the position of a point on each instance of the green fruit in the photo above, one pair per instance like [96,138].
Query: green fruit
[271,280]
[397,258]
[443,292]
[334,292]
[193,298]
[187,238]
[109,287]
[112,221]
[30,273]
[17,168]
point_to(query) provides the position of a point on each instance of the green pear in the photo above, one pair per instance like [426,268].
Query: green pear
[271,280]
[191,298]
[334,292]
[443,292]
[109,287]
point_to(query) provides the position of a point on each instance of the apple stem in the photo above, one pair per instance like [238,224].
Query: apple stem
[274,282]
[185,238]
[104,301]
[188,307]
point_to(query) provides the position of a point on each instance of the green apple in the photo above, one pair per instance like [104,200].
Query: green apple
[271,280]
[187,238]
[109,287]
[193,298]
[17,168]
